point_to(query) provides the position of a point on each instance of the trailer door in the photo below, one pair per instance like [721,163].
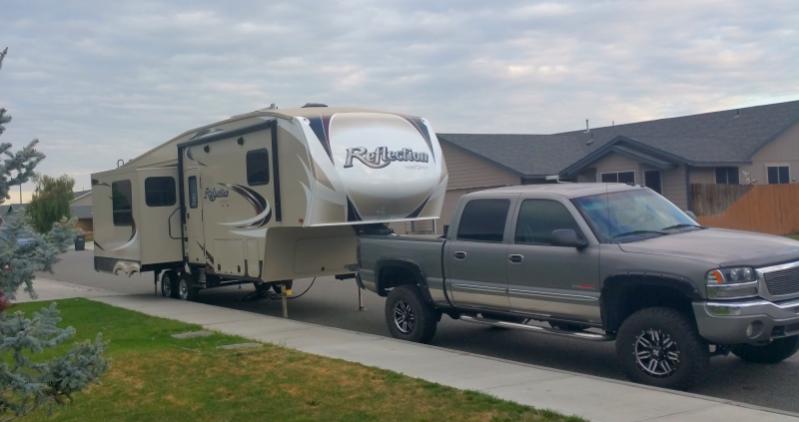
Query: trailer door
[195,232]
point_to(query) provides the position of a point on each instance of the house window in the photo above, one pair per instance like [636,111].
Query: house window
[121,200]
[627,177]
[484,220]
[258,167]
[727,176]
[778,175]
[653,181]
[159,191]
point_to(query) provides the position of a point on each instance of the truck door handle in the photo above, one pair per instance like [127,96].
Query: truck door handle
[459,255]
[516,257]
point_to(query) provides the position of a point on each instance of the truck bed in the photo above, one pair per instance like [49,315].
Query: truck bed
[421,251]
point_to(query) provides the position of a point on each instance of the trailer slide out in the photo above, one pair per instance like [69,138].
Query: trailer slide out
[265,197]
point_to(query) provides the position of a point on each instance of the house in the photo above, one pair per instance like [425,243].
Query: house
[81,208]
[753,145]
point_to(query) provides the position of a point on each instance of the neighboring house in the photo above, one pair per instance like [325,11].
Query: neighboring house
[754,145]
[81,208]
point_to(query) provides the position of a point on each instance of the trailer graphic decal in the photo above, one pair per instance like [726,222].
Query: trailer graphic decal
[263,212]
[321,128]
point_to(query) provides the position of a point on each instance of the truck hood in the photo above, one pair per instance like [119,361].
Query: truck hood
[720,247]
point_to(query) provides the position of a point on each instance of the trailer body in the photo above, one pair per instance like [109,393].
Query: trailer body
[266,196]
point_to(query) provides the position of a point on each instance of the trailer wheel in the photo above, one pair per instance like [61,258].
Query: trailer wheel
[408,316]
[169,284]
[185,290]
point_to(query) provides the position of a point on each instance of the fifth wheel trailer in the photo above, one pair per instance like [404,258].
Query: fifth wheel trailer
[265,197]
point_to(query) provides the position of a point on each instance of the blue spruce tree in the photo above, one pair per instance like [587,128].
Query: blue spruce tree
[28,383]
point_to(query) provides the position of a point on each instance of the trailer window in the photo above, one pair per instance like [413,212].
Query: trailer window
[193,191]
[258,167]
[159,191]
[121,200]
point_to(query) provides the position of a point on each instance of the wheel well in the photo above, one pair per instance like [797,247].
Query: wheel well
[395,274]
[624,295]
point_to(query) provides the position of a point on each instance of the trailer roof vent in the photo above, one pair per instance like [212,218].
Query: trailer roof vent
[311,105]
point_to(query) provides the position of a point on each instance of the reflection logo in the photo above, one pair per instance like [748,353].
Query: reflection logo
[382,156]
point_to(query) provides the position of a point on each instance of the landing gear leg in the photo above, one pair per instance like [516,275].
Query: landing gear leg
[360,298]
[284,300]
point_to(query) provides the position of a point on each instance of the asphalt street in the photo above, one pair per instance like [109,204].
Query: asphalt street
[334,303]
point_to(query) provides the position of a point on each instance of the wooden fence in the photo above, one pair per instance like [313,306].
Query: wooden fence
[714,199]
[764,208]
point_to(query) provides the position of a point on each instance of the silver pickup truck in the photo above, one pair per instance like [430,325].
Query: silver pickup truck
[598,262]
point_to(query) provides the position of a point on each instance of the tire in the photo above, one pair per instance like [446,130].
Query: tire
[774,352]
[408,316]
[169,284]
[185,290]
[661,347]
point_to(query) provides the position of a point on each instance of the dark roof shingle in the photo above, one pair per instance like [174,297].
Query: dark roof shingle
[730,136]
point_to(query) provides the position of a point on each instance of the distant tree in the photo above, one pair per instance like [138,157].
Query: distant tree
[27,381]
[50,202]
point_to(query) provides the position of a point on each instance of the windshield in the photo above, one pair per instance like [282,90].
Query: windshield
[632,215]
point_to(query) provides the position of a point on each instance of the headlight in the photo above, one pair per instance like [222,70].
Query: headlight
[732,283]
[731,275]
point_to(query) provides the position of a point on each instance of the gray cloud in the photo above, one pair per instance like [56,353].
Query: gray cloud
[97,81]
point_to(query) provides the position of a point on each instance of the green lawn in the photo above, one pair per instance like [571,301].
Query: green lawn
[794,236]
[156,377]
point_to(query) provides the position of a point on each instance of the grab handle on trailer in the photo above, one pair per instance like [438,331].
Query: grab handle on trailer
[169,225]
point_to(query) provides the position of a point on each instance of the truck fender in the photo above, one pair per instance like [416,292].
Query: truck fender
[395,272]
[666,290]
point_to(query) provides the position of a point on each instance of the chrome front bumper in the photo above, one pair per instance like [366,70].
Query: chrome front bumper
[749,321]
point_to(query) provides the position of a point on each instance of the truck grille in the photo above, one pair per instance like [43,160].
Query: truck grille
[783,282]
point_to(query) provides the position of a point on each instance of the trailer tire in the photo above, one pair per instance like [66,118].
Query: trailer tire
[185,290]
[408,316]
[661,347]
[774,352]
[169,284]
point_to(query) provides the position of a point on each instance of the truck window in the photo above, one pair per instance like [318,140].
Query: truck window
[159,191]
[121,200]
[539,217]
[483,220]
[193,191]
[258,167]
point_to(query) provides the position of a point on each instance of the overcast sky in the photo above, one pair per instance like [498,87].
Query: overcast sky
[100,80]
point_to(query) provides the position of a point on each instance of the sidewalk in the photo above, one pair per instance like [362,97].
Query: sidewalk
[593,398]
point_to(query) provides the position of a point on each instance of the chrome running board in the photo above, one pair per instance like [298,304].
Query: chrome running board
[581,335]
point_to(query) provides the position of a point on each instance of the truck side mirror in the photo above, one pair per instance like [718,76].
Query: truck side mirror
[568,237]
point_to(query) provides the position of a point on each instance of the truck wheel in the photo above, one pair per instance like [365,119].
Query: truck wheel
[185,290]
[661,347]
[169,284]
[408,316]
[774,352]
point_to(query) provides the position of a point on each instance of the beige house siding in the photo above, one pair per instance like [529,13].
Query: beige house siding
[467,170]
[705,175]
[784,150]
[672,180]
[613,163]
[674,186]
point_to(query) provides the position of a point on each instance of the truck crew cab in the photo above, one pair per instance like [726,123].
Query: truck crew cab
[598,262]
